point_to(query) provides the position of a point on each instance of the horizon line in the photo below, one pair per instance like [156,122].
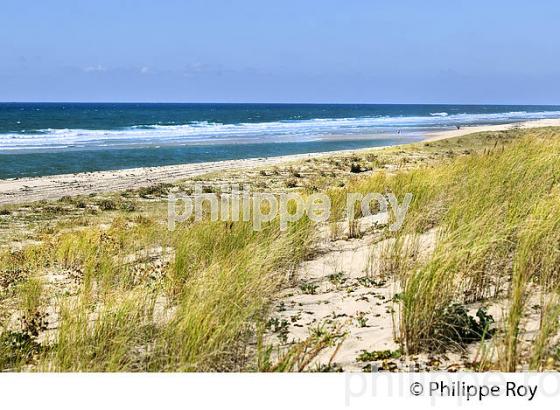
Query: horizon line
[271,103]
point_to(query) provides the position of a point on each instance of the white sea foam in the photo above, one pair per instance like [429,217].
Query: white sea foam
[296,130]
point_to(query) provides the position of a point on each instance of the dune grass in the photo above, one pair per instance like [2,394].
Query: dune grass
[147,299]
[129,295]
[497,215]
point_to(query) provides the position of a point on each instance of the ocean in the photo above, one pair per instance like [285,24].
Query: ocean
[58,138]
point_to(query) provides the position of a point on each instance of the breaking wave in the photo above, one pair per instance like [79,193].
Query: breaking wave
[278,131]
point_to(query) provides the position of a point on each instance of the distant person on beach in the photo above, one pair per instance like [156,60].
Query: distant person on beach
[458,127]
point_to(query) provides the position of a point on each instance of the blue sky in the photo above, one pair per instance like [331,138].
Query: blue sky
[281,51]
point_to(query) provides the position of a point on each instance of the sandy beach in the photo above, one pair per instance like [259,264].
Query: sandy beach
[435,136]
[21,190]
